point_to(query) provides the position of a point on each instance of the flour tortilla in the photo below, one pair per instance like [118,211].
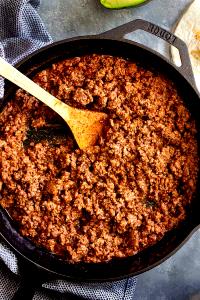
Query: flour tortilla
[188,29]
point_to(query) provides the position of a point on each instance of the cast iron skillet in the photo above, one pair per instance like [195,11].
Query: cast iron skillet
[114,43]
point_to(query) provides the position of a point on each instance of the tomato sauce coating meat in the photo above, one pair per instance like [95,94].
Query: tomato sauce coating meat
[113,199]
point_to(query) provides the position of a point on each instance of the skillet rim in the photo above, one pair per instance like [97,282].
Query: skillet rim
[98,37]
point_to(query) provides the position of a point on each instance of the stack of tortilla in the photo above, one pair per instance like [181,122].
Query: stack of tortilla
[188,29]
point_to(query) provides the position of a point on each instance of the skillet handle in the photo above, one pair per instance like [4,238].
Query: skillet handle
[32,279]
[120,31]
[24,292]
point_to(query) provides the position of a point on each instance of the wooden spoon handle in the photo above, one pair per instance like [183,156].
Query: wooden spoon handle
[12,74]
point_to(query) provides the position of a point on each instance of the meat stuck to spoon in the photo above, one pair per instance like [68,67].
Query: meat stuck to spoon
[85,125]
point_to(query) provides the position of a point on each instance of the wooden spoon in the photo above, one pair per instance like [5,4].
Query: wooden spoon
[85,125]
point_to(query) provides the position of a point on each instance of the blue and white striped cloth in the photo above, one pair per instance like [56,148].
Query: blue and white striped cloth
[22,32]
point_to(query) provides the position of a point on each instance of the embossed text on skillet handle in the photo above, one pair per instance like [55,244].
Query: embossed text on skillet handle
[162,33]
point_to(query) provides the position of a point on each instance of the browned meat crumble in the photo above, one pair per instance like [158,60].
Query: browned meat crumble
[118,197]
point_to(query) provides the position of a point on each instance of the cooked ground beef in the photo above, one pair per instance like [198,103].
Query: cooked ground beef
[113,199]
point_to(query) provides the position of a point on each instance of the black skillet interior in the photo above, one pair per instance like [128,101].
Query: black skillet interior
[152,256]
